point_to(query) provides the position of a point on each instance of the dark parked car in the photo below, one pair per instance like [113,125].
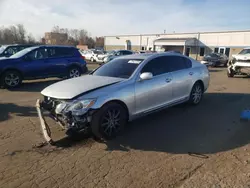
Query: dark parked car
[215,59]
[41,62]
[9,50]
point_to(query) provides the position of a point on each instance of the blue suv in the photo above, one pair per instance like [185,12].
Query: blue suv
[41,62]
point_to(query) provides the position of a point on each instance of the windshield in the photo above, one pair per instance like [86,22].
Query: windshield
[2,48]
[245,51]
[119,68]
[111,52]
[21,53]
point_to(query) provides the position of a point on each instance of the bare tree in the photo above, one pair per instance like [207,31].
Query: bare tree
[15,34]
[76,36]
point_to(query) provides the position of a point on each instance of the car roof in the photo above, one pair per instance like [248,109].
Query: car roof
[57,46]
[136,56]
[8,45]
[147,55]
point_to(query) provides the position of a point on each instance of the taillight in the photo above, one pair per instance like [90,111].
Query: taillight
[83,57]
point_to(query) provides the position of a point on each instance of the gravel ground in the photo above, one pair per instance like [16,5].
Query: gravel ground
[203,146]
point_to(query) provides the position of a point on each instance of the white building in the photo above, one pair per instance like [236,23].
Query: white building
[192,44]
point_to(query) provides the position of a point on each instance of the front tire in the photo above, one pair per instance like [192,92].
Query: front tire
[109,121]
[230,74]
[11,79]
[196,94]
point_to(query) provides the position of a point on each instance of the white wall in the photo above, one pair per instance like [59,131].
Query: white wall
[113,41]
[234,39]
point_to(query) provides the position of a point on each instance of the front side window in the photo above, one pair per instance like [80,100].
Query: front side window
[119,68]
[41,53]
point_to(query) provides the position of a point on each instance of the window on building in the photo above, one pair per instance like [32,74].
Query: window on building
[202,51]
[216,50]
[227,52]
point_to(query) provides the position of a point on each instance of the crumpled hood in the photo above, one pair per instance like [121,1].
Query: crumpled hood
[71,88]
[241,56]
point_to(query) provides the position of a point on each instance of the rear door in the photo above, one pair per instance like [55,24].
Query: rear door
[181,69]
[157,92]
[59,60]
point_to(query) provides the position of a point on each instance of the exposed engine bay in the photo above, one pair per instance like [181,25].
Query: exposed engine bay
[71,121]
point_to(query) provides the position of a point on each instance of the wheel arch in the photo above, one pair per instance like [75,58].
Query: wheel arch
[75,65]
[12,69]
[202,84]
[120,103]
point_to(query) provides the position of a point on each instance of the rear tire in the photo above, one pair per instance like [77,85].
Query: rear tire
[74,72]
[109,121]
[196,94]
[11,79]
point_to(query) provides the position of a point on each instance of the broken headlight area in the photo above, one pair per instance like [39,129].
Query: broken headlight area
[71,115]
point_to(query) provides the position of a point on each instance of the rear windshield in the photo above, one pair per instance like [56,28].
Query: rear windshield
[119,68]
[245,51]
[2,48]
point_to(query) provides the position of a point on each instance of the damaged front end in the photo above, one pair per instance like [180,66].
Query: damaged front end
[239,67]
[72,116]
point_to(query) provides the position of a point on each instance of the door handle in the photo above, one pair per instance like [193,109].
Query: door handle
[168,80]
[191,73]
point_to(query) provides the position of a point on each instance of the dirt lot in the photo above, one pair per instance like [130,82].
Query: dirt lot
[203,146]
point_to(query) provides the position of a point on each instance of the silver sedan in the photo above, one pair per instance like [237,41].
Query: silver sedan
[122,90]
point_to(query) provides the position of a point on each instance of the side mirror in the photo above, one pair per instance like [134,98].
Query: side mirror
[146,76]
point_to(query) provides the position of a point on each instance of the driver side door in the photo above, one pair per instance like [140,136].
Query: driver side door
[156,92]
[34,65]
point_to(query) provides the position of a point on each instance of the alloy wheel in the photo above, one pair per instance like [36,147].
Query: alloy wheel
[74,73]
[12,80]
[111,122]
[197,94]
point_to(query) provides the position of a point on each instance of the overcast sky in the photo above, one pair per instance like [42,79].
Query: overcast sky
[115,17]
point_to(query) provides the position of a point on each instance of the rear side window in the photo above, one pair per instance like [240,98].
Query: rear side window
[156,66]
[188,62]
[126,52]
[61,52]
[176,63]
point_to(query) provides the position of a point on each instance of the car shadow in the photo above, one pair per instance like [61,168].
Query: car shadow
[38,85]
[215,70]
[34,85]
[9,108]
[211,127]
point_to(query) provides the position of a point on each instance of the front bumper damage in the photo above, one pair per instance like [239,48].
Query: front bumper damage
[44,126]
[68,121]
[239,67]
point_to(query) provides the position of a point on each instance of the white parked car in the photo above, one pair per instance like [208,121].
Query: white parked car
[91,55]
[116,54]
[240,64]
